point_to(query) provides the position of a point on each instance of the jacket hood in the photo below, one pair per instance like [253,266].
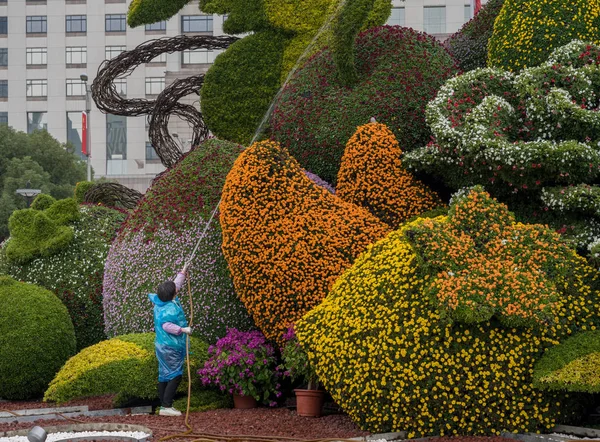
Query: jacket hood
[153,297]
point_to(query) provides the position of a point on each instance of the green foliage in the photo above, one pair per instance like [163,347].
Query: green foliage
[469,46]
[126,365]
[63,211]
[240,85]
[204,400]
[75,273]
[36,338]
[399,69]
[42,202]
[296,363]
[526,31]
[37,158]
[144,12]
[560,368]
[81,188]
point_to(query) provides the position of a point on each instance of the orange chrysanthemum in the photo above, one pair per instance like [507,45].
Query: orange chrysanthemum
[371,175]
[287,240]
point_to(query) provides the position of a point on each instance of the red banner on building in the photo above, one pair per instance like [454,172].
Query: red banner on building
[84,133]
[477,6]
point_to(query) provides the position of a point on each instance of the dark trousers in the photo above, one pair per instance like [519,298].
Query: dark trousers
[166,391]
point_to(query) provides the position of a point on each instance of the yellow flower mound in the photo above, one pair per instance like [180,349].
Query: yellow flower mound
[526,31]
[582,371]
[74,373]
[381,349]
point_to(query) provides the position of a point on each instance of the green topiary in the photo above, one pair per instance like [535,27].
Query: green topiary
[574,365]
[151,11]
[81,189]
[42,202]
[125,365]
[36,338]
[526,31]
[385,348]
[75,273]
[63,211]
[399,71]
[469,46]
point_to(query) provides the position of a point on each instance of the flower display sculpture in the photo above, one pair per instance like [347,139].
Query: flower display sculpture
[527,137]
[389,356]
[160,235]
[371,175]
[285,238]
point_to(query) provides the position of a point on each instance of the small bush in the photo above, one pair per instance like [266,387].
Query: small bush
[126,365]
[42,202]
[526,32]
[286,239]
[574,365]
[145,12]
[81,189]
[36,338]
[371,175]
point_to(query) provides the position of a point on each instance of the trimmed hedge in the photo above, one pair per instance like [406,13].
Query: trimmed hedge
[42,201]
[574,365]
[75,273]
[145,12]
[399,71]
[526,31]
[160,235]
[81,188]
[286,239]
[389,358]
[125,365]
[371,175]
[36,338]
[469,46]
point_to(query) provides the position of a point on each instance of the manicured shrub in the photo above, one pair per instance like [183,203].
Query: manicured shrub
[525,137]
[286,239]
[469,46]
[81,189]
[399,71]
[393,361]
[574,365]
[36,338]
[75,273]
[160,235]
[42,201]
[371,175]
[126,365]
[143,12]
[526,31]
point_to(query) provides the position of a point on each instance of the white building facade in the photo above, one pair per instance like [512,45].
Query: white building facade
[45,45]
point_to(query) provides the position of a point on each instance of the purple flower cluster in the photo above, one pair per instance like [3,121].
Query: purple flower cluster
[243,363]
[319,182]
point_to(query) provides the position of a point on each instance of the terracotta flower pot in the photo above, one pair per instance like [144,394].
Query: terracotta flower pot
[309,402]
[244,402]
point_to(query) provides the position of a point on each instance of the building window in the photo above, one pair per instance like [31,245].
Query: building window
[3,56]
[162,58]
[76,23]
[74,131]
[36,121]
[158,26]
[154,85]
[36,24]
[396,17]
[36,88]
[3,25]
[76,55]
[467,13]
[196,23]
[197,56]
[3,88]
[434,19]
[4,118]
[150,152]
[116,137]
[112,51]
[115,23]
[37,56]
[121,86]
[75,87]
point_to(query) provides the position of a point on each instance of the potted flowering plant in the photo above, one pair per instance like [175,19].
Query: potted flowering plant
[309,400]
[244,364]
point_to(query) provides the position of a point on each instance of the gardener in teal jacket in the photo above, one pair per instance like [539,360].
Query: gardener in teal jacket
[170,326]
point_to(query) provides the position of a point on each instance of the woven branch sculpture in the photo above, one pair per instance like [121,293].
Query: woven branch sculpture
[108,100]
[113,195]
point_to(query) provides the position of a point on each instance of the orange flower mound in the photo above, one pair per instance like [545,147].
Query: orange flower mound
[287,240]
[371,175]
[489,265]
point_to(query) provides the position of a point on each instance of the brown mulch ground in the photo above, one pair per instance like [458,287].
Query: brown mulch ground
[93,403]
